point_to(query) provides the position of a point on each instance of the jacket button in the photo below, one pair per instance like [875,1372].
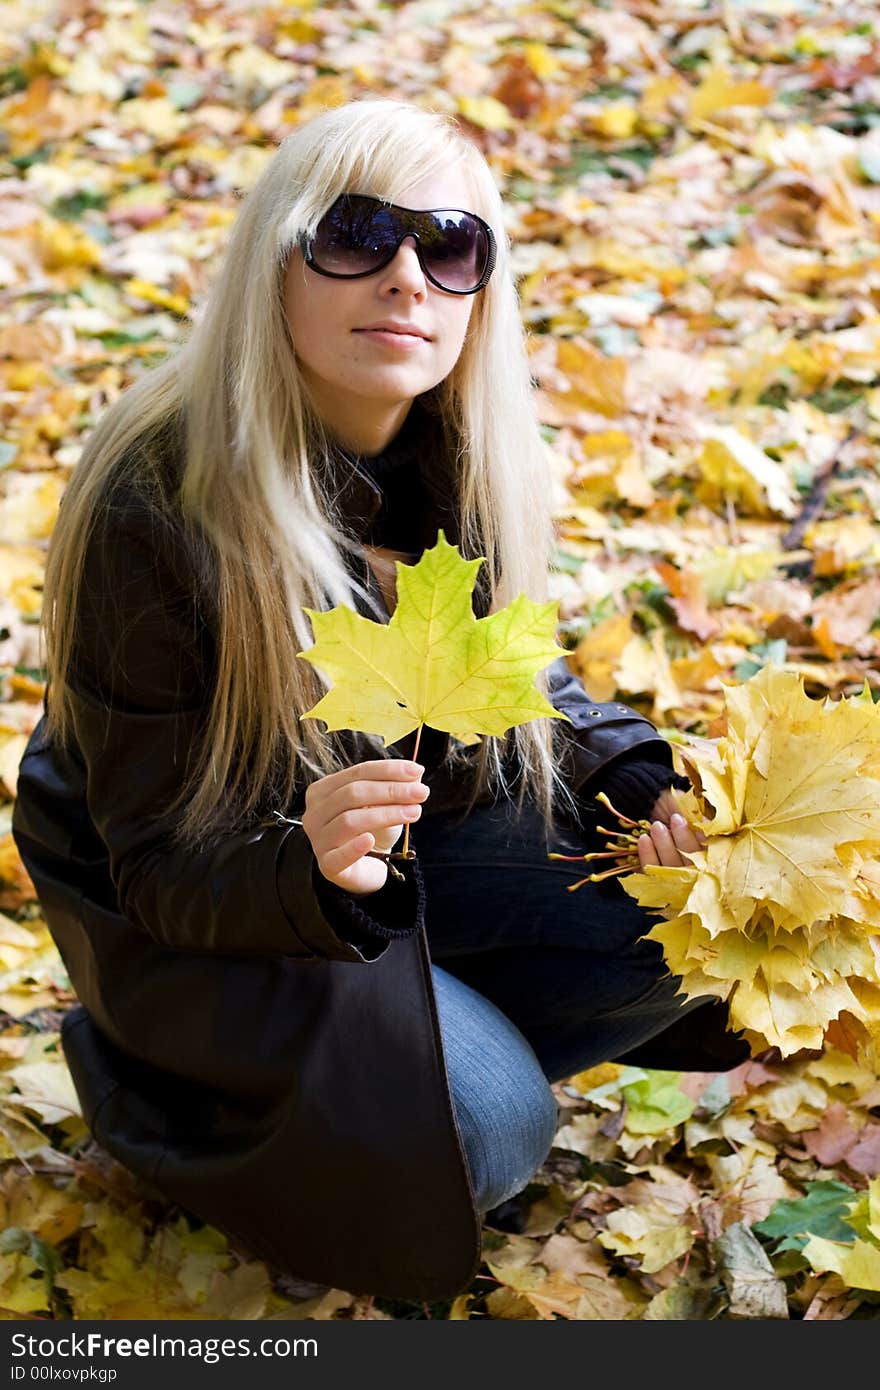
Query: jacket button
[595,714]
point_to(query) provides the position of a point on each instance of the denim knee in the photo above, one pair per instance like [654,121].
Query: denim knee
[506,1111]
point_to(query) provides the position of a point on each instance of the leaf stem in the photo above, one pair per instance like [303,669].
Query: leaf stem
[624,820]
[415,754]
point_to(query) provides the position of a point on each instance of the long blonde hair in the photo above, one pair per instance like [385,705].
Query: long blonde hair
[253,459]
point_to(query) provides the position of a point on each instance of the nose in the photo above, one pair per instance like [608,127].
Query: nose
[404,266]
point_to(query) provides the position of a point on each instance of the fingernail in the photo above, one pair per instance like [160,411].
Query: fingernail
[677,819]
[416,768]
[658,825]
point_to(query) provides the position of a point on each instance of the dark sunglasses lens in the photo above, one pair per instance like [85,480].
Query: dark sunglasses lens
[357,236]
[455,249]
[353,237]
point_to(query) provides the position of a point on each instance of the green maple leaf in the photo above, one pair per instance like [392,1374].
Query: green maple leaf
[822,1211]
[656,1103]
[434,662]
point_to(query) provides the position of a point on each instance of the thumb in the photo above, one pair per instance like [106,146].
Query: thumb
[386,837]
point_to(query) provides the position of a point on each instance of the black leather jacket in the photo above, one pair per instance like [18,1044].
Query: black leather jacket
[232,1045]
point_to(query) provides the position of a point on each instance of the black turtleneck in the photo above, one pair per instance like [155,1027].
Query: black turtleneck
[395,472]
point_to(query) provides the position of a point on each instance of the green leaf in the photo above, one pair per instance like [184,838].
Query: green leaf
[773,652]
[821,1211]
[834,399]
[656,1104]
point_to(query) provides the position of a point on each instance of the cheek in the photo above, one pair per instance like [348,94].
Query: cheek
[313,320]
[303,311]
[311,303]
[456,329]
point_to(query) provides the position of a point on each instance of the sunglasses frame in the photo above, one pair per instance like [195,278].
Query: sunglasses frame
[305,243]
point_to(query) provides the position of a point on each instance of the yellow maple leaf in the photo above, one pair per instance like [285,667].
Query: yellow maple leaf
[434,662]
[154,294]
[597,652]
[779,912]
[656,1236]
[486,112]
[598,383]
[618,120]
[732,465]
[20,1292]
[858,1264]
[541,59]
[719,90]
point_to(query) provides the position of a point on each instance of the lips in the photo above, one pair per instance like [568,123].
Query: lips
[401,330]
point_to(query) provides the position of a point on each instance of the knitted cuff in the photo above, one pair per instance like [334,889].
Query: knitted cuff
[633,787]
[395,909]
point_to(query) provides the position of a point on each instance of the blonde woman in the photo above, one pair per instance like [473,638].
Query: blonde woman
[343,1068]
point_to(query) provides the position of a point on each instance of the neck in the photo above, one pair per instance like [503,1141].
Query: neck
[367,433]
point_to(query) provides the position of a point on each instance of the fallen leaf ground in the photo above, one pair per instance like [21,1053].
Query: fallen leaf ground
[693,196]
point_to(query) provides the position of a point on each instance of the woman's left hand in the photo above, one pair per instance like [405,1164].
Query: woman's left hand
[671,837]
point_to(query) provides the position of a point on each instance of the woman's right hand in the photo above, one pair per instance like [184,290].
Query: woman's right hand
[363,807]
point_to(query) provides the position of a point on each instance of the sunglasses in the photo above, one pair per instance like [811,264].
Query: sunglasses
[360,235]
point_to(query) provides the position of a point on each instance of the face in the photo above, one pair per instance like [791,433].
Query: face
[363,382]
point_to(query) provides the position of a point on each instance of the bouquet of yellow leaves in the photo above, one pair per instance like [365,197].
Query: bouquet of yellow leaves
[779,912]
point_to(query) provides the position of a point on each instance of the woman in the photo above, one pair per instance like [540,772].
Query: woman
[341,1068]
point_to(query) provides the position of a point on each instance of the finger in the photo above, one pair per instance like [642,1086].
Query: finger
[344,827]
[374,792]
[647,852]
[334,861]
[665,845]
[377,770]
[683,834]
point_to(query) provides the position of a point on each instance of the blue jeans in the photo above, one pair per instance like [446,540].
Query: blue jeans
[535,983]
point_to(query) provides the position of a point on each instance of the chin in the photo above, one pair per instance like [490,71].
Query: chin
[391,389]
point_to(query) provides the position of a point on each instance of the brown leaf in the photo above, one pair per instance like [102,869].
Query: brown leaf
[846,1034]
[604,1300]
[518,87]
[864,1156]
[560,1295]
[831,1301]
[16,885]
[547,1212]
[564,1254]
[833,1139]
[849,611]
[505,1303]
[688,600]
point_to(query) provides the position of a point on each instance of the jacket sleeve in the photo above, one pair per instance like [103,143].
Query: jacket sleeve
[139,679]
[604,736]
